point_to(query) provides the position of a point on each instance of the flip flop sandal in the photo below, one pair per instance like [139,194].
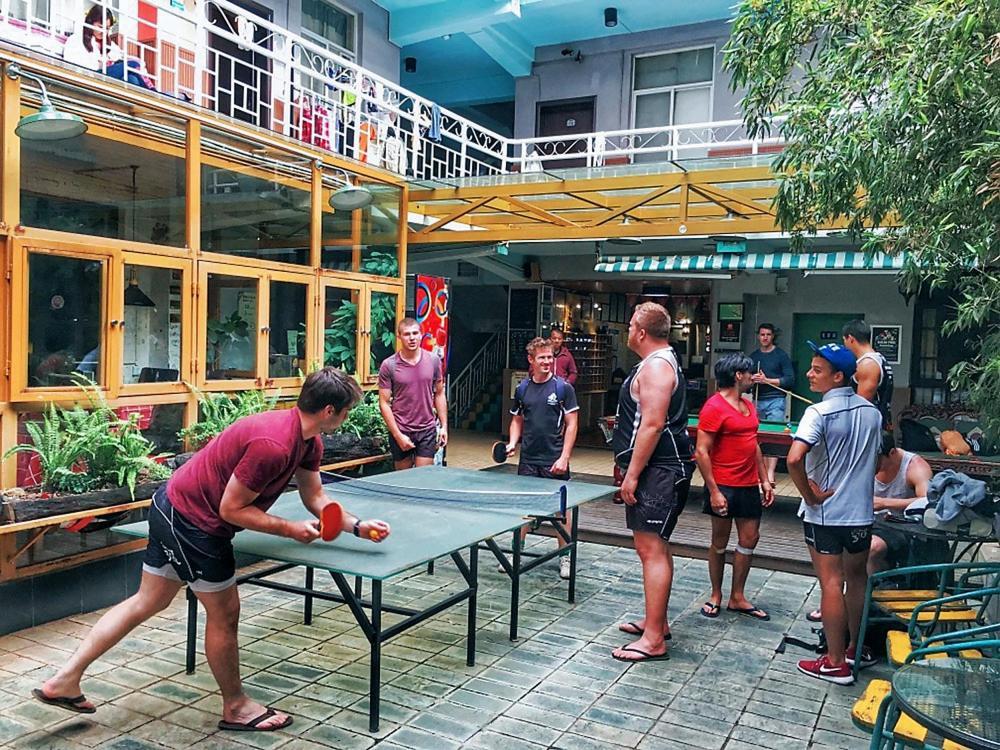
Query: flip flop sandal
[645,656]
[712,611]
[70,704]
[631,628]
[754,612]
[815,616]
[254,724]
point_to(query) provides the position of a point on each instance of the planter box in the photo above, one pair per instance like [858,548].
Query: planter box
[17,508]
[343,446]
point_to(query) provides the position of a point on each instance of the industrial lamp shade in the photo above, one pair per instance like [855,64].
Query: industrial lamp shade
[351,197]
[49,124]
[135,296]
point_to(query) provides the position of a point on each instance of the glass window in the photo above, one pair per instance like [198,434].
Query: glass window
[64,320]
[340,329]
[152,335]
[382,327]
[102,187]
[674,68]
[372,232]
[231,350]
[329,25]
[35,12]
[288,329]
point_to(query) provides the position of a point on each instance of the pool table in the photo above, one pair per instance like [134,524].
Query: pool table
[775,438]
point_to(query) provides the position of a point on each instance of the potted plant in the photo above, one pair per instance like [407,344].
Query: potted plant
[362,434]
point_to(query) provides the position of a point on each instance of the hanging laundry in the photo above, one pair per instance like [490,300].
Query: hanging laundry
[434,132]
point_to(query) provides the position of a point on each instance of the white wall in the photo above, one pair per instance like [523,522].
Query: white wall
[876,297]
[606,73]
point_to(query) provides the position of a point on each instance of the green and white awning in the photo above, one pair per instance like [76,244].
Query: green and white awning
[716,263]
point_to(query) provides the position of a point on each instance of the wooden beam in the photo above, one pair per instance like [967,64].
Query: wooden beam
[541,213]
[717,194]
[455,215]
[192,185]
[10,189]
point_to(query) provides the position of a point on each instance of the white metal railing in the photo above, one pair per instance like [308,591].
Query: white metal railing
[482,370]
[222,57]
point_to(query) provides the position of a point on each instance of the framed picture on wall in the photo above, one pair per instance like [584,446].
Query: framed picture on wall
[888,341]
[730,311]
[730,332]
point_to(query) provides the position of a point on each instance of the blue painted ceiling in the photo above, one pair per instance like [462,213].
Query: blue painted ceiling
[490,44]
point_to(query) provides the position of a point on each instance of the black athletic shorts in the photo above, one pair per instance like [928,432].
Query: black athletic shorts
[543,472]
[904,548]
[425,444]
[660,497]
[741,502]
[833,540]
[180,551]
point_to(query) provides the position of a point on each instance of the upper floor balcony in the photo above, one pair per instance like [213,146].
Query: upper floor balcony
[223,58]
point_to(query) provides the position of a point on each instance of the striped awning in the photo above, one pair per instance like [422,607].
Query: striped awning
[716,263]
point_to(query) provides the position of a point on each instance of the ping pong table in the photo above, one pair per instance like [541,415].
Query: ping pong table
[434,512]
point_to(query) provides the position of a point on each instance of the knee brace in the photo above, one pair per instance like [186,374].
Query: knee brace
[745,550]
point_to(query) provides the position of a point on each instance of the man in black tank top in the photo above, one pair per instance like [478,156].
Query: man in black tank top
[651,444]
[873,377]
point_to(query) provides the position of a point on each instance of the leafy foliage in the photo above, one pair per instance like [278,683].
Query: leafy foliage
[893,118]
[219,410]
[87,449]
[365,419]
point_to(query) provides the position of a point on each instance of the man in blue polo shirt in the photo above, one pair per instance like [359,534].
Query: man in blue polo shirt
[832,463]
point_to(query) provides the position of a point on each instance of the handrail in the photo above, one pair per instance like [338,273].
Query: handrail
[482,370]
[241,65]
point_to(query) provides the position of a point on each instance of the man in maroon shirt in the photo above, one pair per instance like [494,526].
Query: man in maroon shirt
[227,486]
[565,365]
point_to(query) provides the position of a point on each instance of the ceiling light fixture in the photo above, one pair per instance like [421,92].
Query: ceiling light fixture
[630,241]
[611,17]
[48,123]
[350,197]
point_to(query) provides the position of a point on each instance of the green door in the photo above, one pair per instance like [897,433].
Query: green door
[822,328]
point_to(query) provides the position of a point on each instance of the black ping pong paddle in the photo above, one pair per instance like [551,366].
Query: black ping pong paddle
[499,452]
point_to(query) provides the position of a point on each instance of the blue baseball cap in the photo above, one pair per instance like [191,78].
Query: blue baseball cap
[838,356]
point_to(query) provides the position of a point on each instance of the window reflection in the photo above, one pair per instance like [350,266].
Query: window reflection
[288,326]
[383,328]
[64,320]
[231,350]
[373,232]
[96,186]
[340,329]
[152,336]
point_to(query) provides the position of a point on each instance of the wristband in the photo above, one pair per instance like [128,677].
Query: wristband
[357,527]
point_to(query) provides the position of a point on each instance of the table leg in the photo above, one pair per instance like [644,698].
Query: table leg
[308,606]
[573,533]
[192,630]
[357,586]
[375,676]
[470,636]
[515,581]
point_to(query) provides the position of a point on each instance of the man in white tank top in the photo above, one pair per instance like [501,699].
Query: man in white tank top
[901,480]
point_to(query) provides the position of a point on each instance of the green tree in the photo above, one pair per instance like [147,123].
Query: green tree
[892,120]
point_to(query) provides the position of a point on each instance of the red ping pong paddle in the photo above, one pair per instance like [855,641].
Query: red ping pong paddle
[331,521]
[499,452]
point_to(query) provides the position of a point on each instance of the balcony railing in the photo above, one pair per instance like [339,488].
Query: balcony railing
[228,60]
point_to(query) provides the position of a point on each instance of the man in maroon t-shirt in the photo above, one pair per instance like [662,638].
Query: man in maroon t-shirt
[412,400]
[564,365]
[227,486]
[730,462]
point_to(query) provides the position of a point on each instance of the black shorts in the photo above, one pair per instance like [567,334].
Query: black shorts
[741,502]
[904,548]
[180,551]
[834,540]
[660,497]
[542,472]
[425,444]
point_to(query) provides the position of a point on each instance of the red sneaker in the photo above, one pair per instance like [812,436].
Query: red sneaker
[822,669]
[867,659]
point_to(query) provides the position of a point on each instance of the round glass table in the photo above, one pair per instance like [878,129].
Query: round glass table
[954,698]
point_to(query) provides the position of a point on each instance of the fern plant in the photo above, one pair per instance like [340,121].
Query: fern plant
[365,419]
[219,410]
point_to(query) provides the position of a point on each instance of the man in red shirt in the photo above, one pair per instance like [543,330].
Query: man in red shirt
[730,462]
[227,486]
[565,365]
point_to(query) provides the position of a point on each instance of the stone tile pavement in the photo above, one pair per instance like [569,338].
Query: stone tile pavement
[557,687]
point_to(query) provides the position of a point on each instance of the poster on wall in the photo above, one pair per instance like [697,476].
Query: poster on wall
[887,341]
[730,332]
[430,308]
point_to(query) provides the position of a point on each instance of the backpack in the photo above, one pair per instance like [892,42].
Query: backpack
[561,384]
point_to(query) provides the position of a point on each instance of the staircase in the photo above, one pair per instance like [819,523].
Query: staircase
[475,397]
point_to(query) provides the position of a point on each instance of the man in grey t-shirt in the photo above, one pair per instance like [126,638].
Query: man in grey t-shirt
[832,462]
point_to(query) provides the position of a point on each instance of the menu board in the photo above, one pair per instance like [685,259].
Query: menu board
[887,341]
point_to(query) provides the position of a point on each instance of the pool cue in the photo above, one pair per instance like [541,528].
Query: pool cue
[756,387]
[793,394]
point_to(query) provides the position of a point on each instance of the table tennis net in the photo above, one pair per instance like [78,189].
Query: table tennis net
[499,501]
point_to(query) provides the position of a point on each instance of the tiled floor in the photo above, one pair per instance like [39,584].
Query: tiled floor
[724,686]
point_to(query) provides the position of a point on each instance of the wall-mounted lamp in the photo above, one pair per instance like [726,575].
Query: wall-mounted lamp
[611,17]
[350,197]
[410,64]
[48,123]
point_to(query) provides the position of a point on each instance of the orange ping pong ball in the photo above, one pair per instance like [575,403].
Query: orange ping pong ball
[374,534]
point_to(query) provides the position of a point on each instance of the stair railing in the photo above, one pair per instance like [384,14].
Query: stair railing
[483,369]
